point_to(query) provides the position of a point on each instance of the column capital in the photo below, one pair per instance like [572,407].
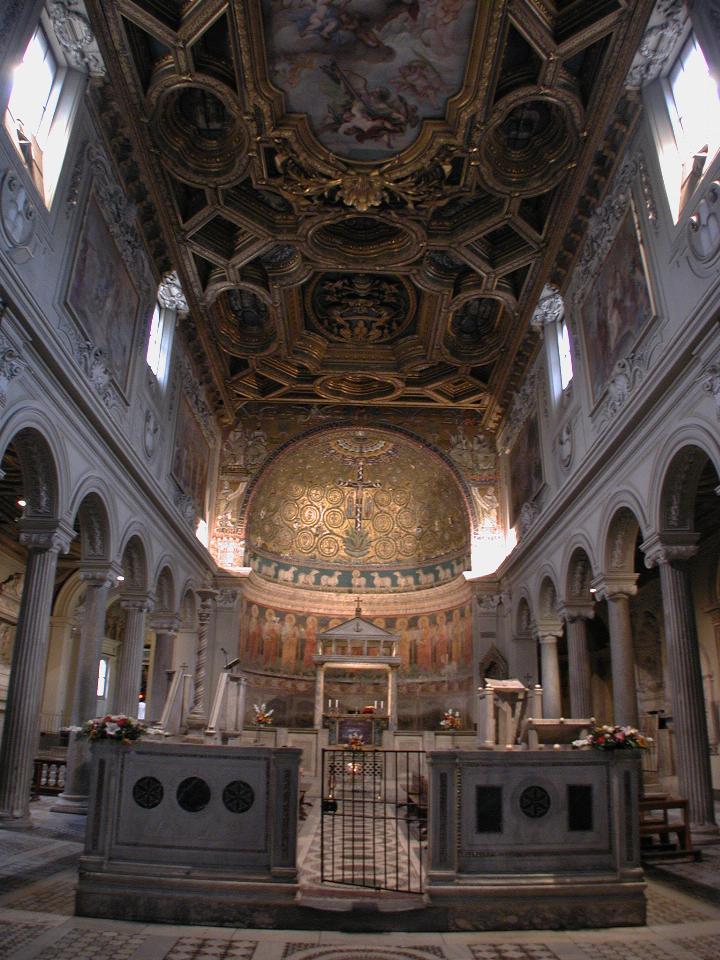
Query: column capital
[668,547]
[165,623]
[41,533]
[577,611]
[142,602]
[611,586]
[98,573]
[227,598]
[546,638]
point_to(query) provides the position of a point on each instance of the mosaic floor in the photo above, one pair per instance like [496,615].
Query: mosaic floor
[37,877]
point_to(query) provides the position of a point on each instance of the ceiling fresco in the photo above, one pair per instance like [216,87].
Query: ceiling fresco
[364,199]
[366,73]
[352,498]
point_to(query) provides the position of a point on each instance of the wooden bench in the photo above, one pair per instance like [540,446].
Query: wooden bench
[655,821]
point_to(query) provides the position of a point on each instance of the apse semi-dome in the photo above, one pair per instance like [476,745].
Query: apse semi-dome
[358,509]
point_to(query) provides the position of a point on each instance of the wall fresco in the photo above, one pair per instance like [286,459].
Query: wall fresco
[435,647]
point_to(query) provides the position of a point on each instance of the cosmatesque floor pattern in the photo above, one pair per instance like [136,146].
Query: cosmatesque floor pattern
[37,878]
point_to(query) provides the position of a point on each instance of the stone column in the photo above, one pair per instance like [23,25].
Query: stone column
[688,700]
[199,705]
[166,630]
[576,617]
[617,591]
[130,670]
[552,699]
[319,695]
[393,700]
[99,578]
[44,540]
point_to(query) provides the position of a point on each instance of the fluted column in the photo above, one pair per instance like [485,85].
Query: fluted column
[199,705]
[99,578]
[617,591]
[688,700]
[166,630]
[552,699]
[576,617]
[44,541]
[136,606]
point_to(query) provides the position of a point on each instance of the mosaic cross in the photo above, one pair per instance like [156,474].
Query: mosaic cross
[359,485]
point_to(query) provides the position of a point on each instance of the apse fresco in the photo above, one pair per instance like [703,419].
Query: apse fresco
[617,306]
[368,72]
[436,645]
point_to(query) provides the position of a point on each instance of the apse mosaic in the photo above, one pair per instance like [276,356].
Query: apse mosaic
[429,645]
[356,498]
[368,72]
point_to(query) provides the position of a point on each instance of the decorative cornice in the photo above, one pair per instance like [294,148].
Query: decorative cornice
[75,35]
[665,25]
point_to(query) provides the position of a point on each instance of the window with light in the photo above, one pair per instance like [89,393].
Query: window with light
[693,105]
[102,678]
[155,342]
[564,355]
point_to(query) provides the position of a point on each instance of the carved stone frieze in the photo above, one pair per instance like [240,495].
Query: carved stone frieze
[170,294]
[17,212]
[120,215]
[489,602]
[12,365]
[565,445]
[196,396]
[606,221]
[711,384]
[524,403]
[94,364]
[187,507]
[75,35]
[626,377]
[227,598]
[550,307]
[529,513]
[703,229]
[665,25]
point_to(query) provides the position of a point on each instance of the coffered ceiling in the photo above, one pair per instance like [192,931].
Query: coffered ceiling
[363,198]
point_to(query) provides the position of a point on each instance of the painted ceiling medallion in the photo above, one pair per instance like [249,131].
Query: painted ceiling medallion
[367,72]
[361,308]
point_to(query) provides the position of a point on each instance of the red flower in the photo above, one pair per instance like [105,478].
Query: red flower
[121,722]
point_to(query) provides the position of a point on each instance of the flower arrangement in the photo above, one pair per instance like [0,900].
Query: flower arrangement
[451,720]
[121,728]
[263,716]
[356,741]
[606,737]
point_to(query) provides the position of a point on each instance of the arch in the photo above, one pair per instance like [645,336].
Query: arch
[687,436]
[578,576]
[69,596]
[188,607]
[43,460]
[678,489]
[523,618]
[165,597]
[413,438]
[619,541]
[547,600]
[94,521]
[135,565]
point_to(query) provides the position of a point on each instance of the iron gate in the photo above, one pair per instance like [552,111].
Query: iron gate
[374,818]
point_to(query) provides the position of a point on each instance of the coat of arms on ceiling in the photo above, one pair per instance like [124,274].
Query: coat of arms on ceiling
[361,308]
[367,72]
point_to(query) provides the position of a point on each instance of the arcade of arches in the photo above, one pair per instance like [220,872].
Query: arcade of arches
[323,435]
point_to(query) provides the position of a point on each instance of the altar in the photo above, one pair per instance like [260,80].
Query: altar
[357,645]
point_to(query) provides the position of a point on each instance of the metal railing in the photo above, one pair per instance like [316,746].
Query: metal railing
[374,818]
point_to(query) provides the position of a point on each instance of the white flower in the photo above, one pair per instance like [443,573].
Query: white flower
[111,728]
